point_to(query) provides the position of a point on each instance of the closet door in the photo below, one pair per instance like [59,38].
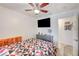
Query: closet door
[68,36]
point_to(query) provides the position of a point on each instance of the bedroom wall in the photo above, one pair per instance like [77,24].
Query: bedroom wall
[13,23]
[54,28]
[54,22]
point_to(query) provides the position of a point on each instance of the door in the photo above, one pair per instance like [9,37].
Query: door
[68,35]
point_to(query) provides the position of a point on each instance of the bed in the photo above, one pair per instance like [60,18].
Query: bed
[29,47]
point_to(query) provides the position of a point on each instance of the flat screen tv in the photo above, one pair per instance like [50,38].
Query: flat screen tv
[44,22]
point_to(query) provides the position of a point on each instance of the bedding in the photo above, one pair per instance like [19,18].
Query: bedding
[29,47]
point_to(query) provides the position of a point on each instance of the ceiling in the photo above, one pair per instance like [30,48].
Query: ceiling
[52,8]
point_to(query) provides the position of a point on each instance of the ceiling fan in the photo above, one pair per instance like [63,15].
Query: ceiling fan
[37,8]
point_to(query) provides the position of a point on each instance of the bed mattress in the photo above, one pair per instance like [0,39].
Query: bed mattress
[29,47]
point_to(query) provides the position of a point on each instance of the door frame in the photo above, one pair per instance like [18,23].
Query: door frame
[78,35]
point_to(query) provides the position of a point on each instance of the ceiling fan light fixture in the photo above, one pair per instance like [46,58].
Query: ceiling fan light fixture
[36,11]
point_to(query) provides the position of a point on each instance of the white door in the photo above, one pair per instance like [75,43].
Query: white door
[68,36]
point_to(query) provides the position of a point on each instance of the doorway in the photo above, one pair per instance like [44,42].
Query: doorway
[68,36]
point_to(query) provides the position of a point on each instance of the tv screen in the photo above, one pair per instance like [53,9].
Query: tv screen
[44,22]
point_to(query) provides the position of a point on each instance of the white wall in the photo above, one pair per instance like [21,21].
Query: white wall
[54,28]
[13,23]
[54,22]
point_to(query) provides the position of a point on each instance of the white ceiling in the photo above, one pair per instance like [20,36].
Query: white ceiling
[52,7]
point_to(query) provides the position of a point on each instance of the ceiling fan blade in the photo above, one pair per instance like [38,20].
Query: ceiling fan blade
[28,9]
[31,4]
[43,5]
[45,11]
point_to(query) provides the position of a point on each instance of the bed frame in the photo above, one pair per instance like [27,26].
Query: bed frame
[11,40]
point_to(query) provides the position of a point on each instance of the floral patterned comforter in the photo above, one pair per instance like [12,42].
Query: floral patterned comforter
[29,47]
